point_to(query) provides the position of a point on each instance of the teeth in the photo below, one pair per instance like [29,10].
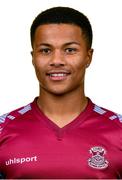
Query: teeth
[58,75]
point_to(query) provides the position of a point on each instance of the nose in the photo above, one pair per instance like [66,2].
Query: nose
[57,59]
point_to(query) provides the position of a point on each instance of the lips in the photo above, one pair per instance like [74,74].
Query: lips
[58,75]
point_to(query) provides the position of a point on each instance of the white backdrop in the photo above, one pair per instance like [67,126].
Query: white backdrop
[18,84]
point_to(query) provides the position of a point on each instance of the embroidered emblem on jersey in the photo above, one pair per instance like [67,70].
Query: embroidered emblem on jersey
[97,160]
[99,110]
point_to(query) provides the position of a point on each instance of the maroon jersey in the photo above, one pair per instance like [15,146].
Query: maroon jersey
[32,146]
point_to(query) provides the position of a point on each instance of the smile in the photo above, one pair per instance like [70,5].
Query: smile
[58,76]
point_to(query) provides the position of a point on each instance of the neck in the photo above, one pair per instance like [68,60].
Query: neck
[70,103]
[62,109]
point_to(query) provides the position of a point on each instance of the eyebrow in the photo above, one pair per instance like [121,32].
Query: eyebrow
[66,44]
[72,42]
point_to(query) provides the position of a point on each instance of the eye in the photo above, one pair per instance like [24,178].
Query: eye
[70,50]
[45,51]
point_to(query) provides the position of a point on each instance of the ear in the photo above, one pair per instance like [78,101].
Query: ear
[31,53]
[89,57]
[32,57]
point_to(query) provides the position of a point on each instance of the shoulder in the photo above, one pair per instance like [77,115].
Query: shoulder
[108,114]
[14,115]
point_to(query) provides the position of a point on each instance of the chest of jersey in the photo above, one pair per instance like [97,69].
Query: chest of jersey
[39,151]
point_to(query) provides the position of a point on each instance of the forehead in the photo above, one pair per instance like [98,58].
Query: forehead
[58,33]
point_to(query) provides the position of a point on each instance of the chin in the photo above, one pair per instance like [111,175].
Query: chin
[58,93]
[61,92]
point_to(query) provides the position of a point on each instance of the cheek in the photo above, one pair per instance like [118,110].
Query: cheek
[39,69]
[39,64]
[79,61]
[79,65]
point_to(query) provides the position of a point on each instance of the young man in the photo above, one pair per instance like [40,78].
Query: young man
[62,134]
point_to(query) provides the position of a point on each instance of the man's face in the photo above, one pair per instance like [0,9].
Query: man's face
[60,57]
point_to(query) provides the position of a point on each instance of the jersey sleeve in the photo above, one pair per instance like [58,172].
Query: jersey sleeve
[3,121]
[6,118]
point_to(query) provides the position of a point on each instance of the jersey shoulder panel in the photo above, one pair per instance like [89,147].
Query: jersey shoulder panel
[8,117]
[108,114]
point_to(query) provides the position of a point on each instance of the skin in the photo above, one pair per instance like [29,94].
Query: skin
[61,49]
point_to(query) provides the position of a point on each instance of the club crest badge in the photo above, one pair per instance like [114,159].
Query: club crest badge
[98,160]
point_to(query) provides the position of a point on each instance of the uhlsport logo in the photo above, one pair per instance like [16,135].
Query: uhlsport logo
[98,160]
[20,160]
